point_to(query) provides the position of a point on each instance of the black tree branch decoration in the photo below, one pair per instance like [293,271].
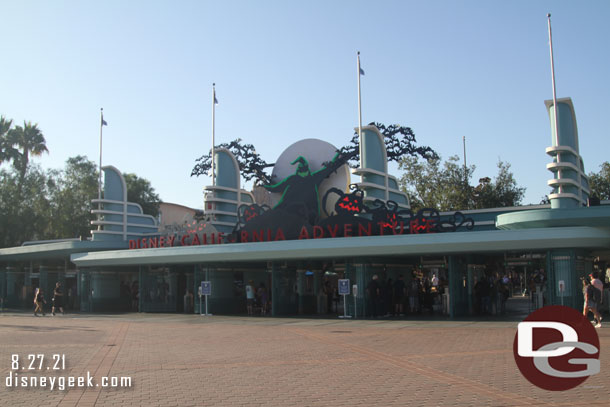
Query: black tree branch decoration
[399,141]
[251,165]
[396,146]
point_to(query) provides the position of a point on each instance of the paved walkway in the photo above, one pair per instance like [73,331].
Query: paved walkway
[188,360]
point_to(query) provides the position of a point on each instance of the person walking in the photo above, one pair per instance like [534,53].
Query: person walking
[250,297]
[135,295]
[504,293]
[388,297]
[188,301]
[590,293]
[485,292]
[373,291]
[598,295]
[38,302]
[58,297]
[399,294]
[263,298]
[597,283]
[413,292]
[330,294]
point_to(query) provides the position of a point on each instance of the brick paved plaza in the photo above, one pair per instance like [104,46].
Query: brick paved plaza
[187,360]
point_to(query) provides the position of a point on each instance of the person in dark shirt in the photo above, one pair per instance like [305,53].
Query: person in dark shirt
[329,291]
[414,291]
[427,295]
[399,294]
[58,299]
[263,298]
[504,293]
[388,296]
[485,296]
[373,290]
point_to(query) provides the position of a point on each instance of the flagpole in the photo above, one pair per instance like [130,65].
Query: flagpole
[555,110]
[553,80]
[359,115]
[213,132]
[99,185]
[465,172]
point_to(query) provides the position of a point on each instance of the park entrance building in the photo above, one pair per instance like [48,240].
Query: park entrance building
[312,226]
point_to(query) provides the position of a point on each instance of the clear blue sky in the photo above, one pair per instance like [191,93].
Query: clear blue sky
[285,70]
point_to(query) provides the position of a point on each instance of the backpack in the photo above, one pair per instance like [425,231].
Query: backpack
[594,294]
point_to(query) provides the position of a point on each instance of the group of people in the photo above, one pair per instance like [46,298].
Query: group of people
[40,301]
[491,294]
[256,298]
[392,297]
[130,294]
[593,290]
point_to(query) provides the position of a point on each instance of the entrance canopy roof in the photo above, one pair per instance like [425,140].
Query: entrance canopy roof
[57,250]
[358,247]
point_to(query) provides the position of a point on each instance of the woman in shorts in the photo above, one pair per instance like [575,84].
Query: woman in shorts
[590,304]
[250,297]
[38,302]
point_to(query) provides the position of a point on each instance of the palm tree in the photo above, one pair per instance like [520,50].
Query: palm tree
[7,152]
[29,141]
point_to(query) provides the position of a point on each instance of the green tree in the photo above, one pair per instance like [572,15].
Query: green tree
[502,192]
[141,192]
[599,183]
[8,208]
[7,152]
[71,196]
[434,184]
[28,141]
[5,126]
[25,209]
[24,203]
[446,185]
[57,204]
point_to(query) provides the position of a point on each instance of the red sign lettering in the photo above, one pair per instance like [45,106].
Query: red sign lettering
[258,236]
[279,235]
[318,232]
[333,231]
[362,231]
[304,233]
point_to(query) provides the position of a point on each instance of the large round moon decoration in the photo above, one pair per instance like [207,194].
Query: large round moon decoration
[316,152]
